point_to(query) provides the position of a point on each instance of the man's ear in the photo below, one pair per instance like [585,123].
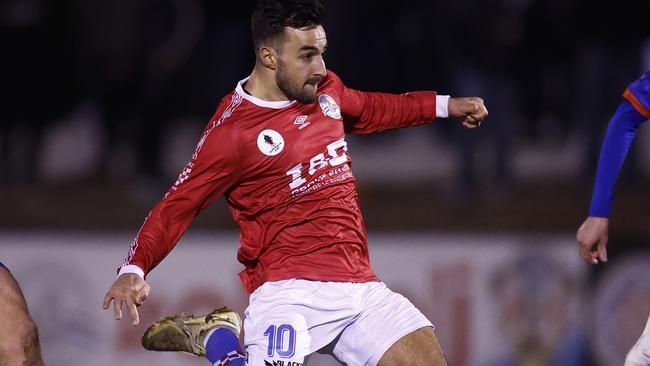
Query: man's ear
[268,57]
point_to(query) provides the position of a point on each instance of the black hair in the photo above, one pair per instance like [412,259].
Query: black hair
[271,16]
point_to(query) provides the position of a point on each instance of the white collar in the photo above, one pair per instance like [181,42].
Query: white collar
[239,89]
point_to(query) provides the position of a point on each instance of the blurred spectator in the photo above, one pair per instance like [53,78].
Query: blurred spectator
[36,86]
[136,51]
[485,58]
[535,297]
[544,74]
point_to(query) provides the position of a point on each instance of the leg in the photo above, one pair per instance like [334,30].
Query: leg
[420,347]
[388,331]
[18,334]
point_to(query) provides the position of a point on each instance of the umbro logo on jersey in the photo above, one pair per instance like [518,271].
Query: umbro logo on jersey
[302,121]
[270,142]
[329,106]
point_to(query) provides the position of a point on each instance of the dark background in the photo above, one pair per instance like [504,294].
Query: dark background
[95,93]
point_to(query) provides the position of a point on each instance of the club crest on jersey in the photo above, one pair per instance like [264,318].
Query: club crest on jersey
[270,142]
[329,106]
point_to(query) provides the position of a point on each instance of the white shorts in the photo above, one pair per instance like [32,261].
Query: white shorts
[354,322]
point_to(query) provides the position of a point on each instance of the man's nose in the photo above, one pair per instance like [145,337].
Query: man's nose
[321,69]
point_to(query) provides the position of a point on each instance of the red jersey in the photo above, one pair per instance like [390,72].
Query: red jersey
[286,173]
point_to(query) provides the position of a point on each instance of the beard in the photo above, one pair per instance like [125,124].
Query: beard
[295,91]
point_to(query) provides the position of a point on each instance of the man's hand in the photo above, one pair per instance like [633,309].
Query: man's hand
[470,110]
[592,238]
[128,289]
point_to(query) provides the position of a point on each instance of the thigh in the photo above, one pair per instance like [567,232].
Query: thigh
[385,318]
[420,347]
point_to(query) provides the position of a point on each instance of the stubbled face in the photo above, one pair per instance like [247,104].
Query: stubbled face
[300,63]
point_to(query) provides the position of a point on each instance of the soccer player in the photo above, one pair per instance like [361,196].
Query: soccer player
[18,334]
[276,149]
[593,233]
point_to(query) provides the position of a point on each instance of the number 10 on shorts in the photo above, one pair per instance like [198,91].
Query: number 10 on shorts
[282,339]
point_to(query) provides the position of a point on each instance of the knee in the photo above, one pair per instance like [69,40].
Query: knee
[22,347]
[29,342]
[419,348]
[28,333]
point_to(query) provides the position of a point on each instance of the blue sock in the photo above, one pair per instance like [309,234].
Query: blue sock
[222,348]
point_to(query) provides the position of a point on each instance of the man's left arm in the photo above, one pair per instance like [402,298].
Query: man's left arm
[592,236]
[366,112]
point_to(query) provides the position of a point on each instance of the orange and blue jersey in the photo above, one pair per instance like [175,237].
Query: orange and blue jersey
[633,111]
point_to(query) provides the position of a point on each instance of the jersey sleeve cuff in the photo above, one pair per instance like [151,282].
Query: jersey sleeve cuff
[131,268]
[442,106]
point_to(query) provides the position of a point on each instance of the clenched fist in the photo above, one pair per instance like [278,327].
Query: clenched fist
[471,110]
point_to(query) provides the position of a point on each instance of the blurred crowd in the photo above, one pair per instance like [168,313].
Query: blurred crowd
[139,70]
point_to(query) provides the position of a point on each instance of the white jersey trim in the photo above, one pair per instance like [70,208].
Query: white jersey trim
[131,268]
[239,89]
[442,106]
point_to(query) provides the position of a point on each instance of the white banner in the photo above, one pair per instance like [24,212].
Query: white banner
[495,300]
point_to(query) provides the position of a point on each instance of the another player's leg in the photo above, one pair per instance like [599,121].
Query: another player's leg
[214,336]
[18,333]
[639,355]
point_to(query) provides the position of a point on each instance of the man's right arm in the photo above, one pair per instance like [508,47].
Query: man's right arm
[210,173]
